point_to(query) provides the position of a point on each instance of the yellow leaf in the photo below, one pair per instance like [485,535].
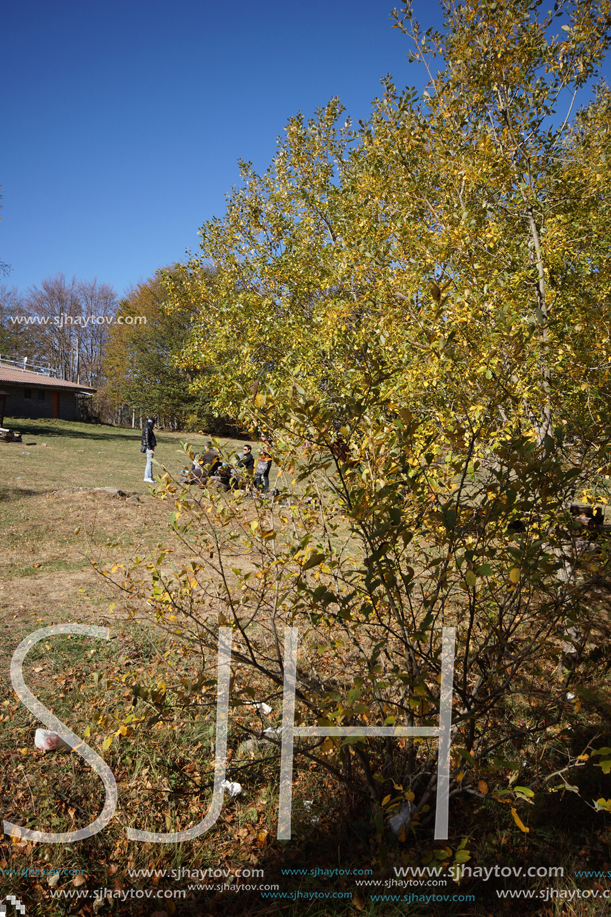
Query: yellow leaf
[514,575]
[107,743]
[518,821]
[482,787]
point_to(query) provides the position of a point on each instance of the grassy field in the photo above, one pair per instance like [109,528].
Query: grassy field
[58,455]
[54,519]
[54,522]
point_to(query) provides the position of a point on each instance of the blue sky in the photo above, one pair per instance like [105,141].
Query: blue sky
[121,121]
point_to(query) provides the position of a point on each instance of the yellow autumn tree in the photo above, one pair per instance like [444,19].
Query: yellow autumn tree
[446,249]
[417,308]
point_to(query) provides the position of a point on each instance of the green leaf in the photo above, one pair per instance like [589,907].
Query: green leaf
[443,854]
[313,561]
[503,762]
[466,755]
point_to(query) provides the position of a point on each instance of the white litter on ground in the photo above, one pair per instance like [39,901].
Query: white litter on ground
[49,741]
[234,789]
[402,818]
[263,707]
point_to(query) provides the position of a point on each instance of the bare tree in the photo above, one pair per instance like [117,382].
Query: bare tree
[68,325]
[99,305]
[55,311]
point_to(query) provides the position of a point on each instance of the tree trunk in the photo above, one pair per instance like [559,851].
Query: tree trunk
[545,426]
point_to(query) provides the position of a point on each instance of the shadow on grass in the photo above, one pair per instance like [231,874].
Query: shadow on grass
[29,427]
[14,494]
[327,858]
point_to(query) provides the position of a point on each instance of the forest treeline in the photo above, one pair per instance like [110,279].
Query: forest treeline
[128,349]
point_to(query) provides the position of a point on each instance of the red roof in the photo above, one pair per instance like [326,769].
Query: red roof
[10,375]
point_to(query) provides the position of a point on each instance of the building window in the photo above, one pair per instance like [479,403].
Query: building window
[27,393]
[41,394]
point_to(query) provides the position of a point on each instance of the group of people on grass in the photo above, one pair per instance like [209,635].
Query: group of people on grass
[209,465]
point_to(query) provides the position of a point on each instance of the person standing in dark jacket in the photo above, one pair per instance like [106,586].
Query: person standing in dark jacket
[248,460]
[148,444]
